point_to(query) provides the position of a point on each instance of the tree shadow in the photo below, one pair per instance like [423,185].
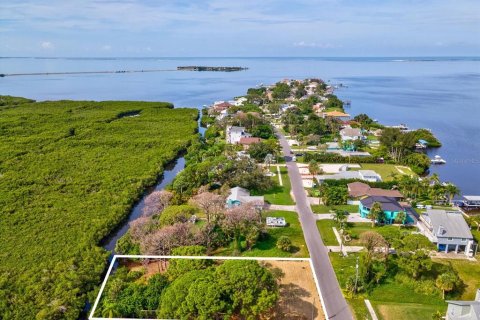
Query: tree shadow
[295,303]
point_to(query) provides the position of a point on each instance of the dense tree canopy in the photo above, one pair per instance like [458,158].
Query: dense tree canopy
[71,171]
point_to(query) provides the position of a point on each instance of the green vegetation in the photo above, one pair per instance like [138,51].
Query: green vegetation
[413,311]
[390,298]
[326,232]
[469,272]
[70,172]
[266,245]
[320,208]
[13,101]
[208,290]
[388,172]
[278,194]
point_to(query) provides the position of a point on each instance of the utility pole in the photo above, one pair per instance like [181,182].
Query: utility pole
[356,276]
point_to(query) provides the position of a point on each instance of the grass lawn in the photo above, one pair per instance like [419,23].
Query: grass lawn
[326,232]
[356,229]
[326,209]
[386,170]
[278,194]
[393,311]
[390,299]
[267,247]
[476,234]
[469,271]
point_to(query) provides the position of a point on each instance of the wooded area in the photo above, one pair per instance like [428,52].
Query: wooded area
[70,172]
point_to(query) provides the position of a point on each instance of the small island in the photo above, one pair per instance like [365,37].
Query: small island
[204,68]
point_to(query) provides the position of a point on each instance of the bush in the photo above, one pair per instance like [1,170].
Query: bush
[284,243]
[336,158]
[174,214]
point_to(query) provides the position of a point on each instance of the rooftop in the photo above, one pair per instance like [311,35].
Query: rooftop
[360,189]
[387,203]
[472,198]
[250,140]
[336,114]
[351,132]
[243,195]
[447,224]
[236,129]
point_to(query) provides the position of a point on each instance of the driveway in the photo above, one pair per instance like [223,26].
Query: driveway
[335,304]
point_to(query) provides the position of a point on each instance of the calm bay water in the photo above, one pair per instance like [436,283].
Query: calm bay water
[440,94]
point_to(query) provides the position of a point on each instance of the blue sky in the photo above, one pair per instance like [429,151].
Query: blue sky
[85,28]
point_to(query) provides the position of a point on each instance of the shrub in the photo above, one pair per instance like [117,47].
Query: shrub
[284,243]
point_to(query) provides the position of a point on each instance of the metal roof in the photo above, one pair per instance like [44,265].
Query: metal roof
[387,203]
[448,224]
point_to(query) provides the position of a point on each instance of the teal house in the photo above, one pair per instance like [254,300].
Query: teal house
[390,207]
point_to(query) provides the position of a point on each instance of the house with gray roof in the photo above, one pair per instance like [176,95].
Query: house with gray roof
[365,175]
[349,134]
[448,230]
[464,310]
[234,134]
[239,196]
[390,207]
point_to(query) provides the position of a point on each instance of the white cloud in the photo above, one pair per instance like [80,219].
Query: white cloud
[314,45]
[106,47]
[47,45]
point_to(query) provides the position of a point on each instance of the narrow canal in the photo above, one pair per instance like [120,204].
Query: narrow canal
[170,172]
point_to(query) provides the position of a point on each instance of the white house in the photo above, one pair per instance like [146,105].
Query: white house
[239,196]
[464,310]
[234,134]
[365,175]
[239,101]
[448,230]
[349,134]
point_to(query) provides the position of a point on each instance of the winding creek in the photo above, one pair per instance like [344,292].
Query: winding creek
[170,172]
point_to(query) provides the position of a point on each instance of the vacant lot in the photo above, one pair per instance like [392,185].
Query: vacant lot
[279,194]
[387,171]
[299,297]
[266,247]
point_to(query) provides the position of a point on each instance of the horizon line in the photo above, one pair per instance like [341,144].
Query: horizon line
[234,57]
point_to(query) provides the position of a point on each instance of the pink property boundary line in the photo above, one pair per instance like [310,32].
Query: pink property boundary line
[112,263]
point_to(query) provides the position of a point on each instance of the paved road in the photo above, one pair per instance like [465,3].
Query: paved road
[335,303]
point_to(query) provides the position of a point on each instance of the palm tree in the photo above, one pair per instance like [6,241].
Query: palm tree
[446,282]
[375,213]
[340,217]
[400,218]
[452,191]
[110,310]
[313,167]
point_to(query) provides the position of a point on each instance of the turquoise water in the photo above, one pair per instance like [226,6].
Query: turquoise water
[442,94]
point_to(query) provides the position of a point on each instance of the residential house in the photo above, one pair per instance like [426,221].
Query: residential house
[470,203]
[366,175]
[246,142]
[239,196]
[331,146]
[357,190]
[221,105]
[318,108]
[464,310]
[239,101]
[350,134]
[311,87]
[337,115]
[390,207]
[234,134]
[448,230]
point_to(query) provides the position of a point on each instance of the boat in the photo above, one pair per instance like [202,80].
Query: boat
[438,160]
